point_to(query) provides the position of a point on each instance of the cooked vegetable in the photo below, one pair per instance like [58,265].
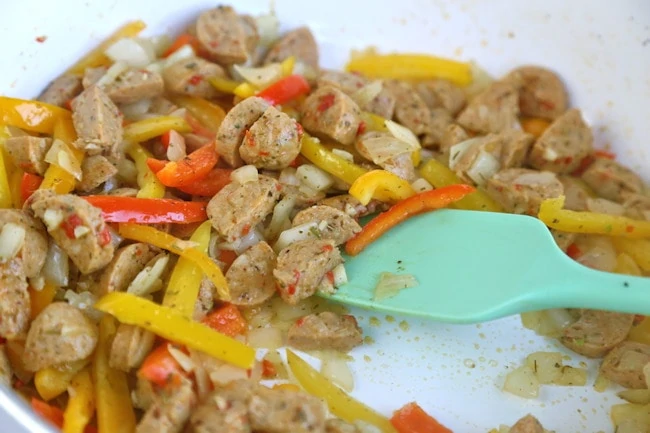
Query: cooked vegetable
[381,184]
[58,178]
[285,90]
[210,184]
[411,418]
[161,368]
[147,210]
[208,114]
[190,169]
[390,285]
[150,186]
[39,299]
[334,164]
[51,382]
[81,404]
[227,320]
[29,184]
[50,413]
[5,190]
[143,130]
[33,116]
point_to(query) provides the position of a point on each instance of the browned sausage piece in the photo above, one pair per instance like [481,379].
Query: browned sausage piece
[340,226]
[130,346]
[299,43]
[169,411]
[637,206]
[93,75]
[515,147]
[383,104]
[542,93]
[29,152]
[97,121]
[133,85]
[597,332]
[96,170]
[563,145]
[272,142]
[400,165]
[611,180]
[324,331]
[335,425]
[442,94]
[453,134]
[34,249]
[226,37]
[624,364]
[6,373]
[125,266]
[190,77]
[61,90]
[250,277]
[410,110]
[495,109]
[15,306]
[225,410]
[282,411]
[527,424]
[574,192]
[236,209]
[60,334]
[522,191]
[75,226]
[302,265]
[438,123]
[331,112]
[234,126]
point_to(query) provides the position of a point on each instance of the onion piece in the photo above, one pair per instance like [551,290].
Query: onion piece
[61,156]
[226,374]
[602,205]
[281,218]
[56,267]
[522,382]
[547,366]
[253,237]
[384,147]
[184,52]
[288,177]
[390,285]
[127,171]
[12,239]
[262,76]
[136,109]
[176,150]
[129,51]
[160,43]
[265,338]
[83,301]
[298,233]
[245,174]
[402,133]
[548,323]
[636,396]
[367,93]
[421,185]
[572,376]
[186,363]
[483,168]
[313,177]
[457,151]
[481,80]
[343,154]
[146,281]
[336,369]
[112,73]
[340,276]
[268,28]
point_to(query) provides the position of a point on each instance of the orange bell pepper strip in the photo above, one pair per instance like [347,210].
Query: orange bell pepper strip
[211,184]
[285,90]
[412,419]
[49,413]
[182,40]
[29,183]
[401,211]
[33,116]
[226,319]
[534,126]
[39,299]
[148,210]
[190,169]
[160,367]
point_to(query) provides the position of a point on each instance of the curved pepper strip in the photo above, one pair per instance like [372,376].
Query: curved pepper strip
[285,89]
[146,129]
[190,169]
[552,214]
[81,404]
[373,122]
[97,57]
[185,281]
[381,184]
[150,186]
[33,116]
[417,204]
[439,175]
[224,85]
[410,418]
[638,249]
[184,249]
[340,404]
[147,210]
[51,382]
[112,396]
[208,114]
[57,178]
[5,172]
[410,67]
[324,159]
[173,326]
[39,299]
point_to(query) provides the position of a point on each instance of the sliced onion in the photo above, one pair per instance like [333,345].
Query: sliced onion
[340,276]
[253,237]
[156,67]
[548,323]
[421,185]
[343,154]
[384,147]
[281,219]
[457,151]
[61,155]
[313,177]
[160,44]
[537,178]
[265,338]
[366,427]
[288,177]
[201,377]
[390,285]
[12,239]
[522,382]
[547,366]
[484,167]
[402,133]
[186,363]
[268,28]
[146,281]
[129,51]
[226,374]
[147,46]
[176,150]
[367,93]
[184,52]
[285,313]
[245,174]
[305,70]
[298,233]
[136,109]
[336,369]
[83,301]
[572,376]
[112,73]
[274,357]
[56,267]
[127,171]
[630,418]
[262,76]
[602,205]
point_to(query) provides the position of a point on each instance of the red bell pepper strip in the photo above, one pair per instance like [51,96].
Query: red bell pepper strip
[285,90]
[160,367]
[190,169]
[198,128]
[211,184]
[227,257]
[29,183]
[412,419]
[404,209]
[183,39]
[227,320]
[50,413]
[148,210]
[604,154]
[156,165]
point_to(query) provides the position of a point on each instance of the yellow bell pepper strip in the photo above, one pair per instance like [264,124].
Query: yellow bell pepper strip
[245,90]
[33,116]
[638,249]
[150,186]
[287,66]
[640,333]
[373,122]
[411,67]
[173,326]
[5,172]
[112,396]
[402,210]
[146,129]
[81,404]
[224,85]
[51,382]
[381,184]
[552,214]
[174,245]
[627,266]
[335,165]
[208,114]
[56,178]
[183,287]
[438,175]
[97,57]
[340,404]
[16,184]
[39,299]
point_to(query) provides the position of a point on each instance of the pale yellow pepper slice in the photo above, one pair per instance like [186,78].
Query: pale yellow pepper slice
[382,185]
[81,403]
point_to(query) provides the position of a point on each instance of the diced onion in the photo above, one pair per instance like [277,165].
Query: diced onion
[226,374]
[550,154]
[56,267]
[522,382]
[305,70]
[160,43]
[265,338]
[457,151]
[83,301]
[366,427]
[630,414]
[343,154]
[127,171]
[184,52]
[80,231]
[546,365]
[484,167]
[390,285]
[289,313]
[281,218]
[176,149]
[156,67]
[402,133]
[147,46]
[298,233]
[261,76]
[421,185]
[183,360]
[601,383]
[548,323]
[112,73]
[61,155]
[146,281]
[367,93]
[572,376]
[37,283]
[253,237]
[384,147]
[136,109]
[268,27]
[129,51]
[313,177]
[636,396]
[12,239]
[340,276]
[245,174]
[337,370]
[288,177]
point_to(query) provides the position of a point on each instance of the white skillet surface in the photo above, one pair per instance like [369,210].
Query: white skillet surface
[602,52]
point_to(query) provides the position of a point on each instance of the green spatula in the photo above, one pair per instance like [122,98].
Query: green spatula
[478,266]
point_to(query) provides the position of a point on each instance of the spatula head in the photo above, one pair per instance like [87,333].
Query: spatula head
[470,266]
